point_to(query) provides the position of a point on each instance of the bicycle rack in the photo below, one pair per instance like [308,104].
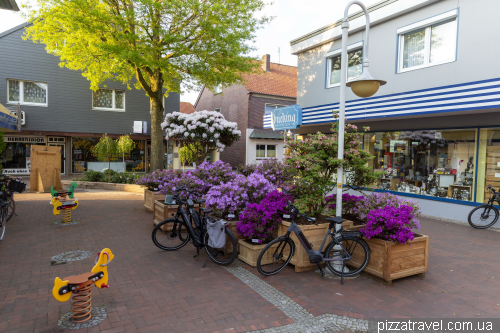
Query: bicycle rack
[81,287]
[59,201]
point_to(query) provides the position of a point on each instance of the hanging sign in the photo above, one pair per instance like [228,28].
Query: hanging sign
[287,117]
[137,127]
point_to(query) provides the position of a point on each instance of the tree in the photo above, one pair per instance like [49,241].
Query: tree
[202,131]
[187,153]
[160,43]
[105,150]
[315,162]
[124,145]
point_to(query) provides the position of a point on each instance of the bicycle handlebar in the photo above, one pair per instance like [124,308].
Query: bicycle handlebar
[294,210]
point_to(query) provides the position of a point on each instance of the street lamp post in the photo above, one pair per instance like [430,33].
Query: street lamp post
[364,86]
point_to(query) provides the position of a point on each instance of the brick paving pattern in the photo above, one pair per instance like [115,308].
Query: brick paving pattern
[157,291]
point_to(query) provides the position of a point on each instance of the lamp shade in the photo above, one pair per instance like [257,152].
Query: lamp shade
[365,85]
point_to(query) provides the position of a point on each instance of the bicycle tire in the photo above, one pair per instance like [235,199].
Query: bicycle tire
[473,223]
[276,253]
[164,232]
[11,207]
[357,259]
[229,251]
[3,221]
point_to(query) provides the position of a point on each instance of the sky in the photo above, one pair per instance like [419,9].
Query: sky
[293,18]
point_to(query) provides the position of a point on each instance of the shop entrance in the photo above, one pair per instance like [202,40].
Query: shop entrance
[60,142]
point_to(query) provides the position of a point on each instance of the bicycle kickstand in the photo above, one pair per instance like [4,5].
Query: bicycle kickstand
[320,270]
[197,253]
[342,275]
[205,263]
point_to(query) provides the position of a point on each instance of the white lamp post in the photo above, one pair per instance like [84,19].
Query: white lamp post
[364,86]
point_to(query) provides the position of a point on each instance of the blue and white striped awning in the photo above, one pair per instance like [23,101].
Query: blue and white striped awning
[459,97]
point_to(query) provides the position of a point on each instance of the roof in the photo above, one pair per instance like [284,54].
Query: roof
[186,108]
[9,5]
[281,80]
[266,134]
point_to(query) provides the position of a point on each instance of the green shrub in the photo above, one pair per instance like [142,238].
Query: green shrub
[91,176]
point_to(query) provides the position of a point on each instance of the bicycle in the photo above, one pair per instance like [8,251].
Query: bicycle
[8,186]
[342,249]
[3,214]
[174,233]
[479,217]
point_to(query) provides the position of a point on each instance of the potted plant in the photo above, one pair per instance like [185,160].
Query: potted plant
[348,207]
[259,224]
[152,183]
[396,250]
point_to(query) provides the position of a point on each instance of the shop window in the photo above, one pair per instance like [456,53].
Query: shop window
[108,100]
[428,43]
[27,92]
[355,64]
[488,165]
[265,151]
[438,163]
[16,158]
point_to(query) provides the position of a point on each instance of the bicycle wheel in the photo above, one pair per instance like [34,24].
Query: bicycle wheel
[224,255]
[275,256]
[483,217]
[354,247]
[3,221]
[11,207]
[170,234]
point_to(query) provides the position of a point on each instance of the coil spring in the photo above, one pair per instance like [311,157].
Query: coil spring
[66,215]
[81,303]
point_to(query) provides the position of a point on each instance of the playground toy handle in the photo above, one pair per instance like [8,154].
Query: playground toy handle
[97,259]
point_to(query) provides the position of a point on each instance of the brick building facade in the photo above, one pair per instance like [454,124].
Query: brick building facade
[246,104]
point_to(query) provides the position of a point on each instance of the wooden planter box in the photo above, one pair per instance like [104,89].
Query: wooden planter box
[150,197]
[250,252]
[162,212]
[232,227]
[315,234]
[390,261]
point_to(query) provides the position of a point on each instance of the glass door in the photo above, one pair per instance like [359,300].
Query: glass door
[63,156]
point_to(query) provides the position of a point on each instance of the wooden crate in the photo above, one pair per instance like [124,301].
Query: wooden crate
[232,227]
[150,197]
[390,261]
[249,253]
[315,235]
[162,212]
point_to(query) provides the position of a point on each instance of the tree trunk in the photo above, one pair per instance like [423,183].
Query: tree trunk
[109,169]
[123,161]
[156,120]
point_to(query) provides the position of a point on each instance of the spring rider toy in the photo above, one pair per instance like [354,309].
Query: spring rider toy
[81,287]
[59,199]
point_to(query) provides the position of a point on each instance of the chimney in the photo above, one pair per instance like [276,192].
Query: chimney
[266,62]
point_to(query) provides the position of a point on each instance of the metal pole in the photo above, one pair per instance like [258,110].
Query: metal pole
[343,81]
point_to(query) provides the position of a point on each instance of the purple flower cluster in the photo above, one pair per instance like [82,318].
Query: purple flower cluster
[277,172]
[213,174]
[232,197]
[156,178]
[348,203]
[176,178]
[260,220]
[390,223]
[381,200]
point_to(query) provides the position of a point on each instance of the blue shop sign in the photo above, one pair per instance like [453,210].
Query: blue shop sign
[287,117]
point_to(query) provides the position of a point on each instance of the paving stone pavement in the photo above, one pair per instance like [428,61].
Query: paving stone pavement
[158,291]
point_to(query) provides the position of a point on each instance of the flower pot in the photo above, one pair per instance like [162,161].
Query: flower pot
[315,235]
[250,252]
[150,197]
[390,261]
[232,227]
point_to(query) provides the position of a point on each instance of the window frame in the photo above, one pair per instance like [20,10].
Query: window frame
[217,110]
[113,101]
[265,157]
[218,89]
[353,47]
[21,93]
[427,24]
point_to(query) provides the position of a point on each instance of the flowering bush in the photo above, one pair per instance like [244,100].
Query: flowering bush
[232,197]
[213,174]
[381,200]
[348,204]
[207,131]
[155,179]
[176,178]
[315,162]
[277,172]
[260,220]
[391,223]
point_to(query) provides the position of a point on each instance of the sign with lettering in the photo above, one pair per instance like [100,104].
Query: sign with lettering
[287,117]
[137,127]
[25,139]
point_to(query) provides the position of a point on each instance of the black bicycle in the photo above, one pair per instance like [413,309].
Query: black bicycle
[8,186]
[486,215]
[4,210]
[347,248]
[189,224]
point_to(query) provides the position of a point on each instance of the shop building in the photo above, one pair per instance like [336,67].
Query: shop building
[435,125]
[59,109]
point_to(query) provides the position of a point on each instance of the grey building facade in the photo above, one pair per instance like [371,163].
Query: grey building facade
[60,109]
[435,125]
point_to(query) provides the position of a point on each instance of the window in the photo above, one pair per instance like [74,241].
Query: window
[217,109]
[265,151]
[428,43]
[354,68]
[108,99]
[27,92]
[271,107]
[218,89]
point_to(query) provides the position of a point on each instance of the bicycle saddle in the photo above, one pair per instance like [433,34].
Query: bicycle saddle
[336,220]
[206,210]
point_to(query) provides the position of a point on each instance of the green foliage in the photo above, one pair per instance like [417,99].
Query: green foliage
[116,177]
[124,145]
[187,153]
[105,150]
[158,43]
[315,162]
[91,176]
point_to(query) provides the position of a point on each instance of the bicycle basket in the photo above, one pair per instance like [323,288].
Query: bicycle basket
[16,186]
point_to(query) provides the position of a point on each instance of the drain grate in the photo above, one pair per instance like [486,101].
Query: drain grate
[64,257]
